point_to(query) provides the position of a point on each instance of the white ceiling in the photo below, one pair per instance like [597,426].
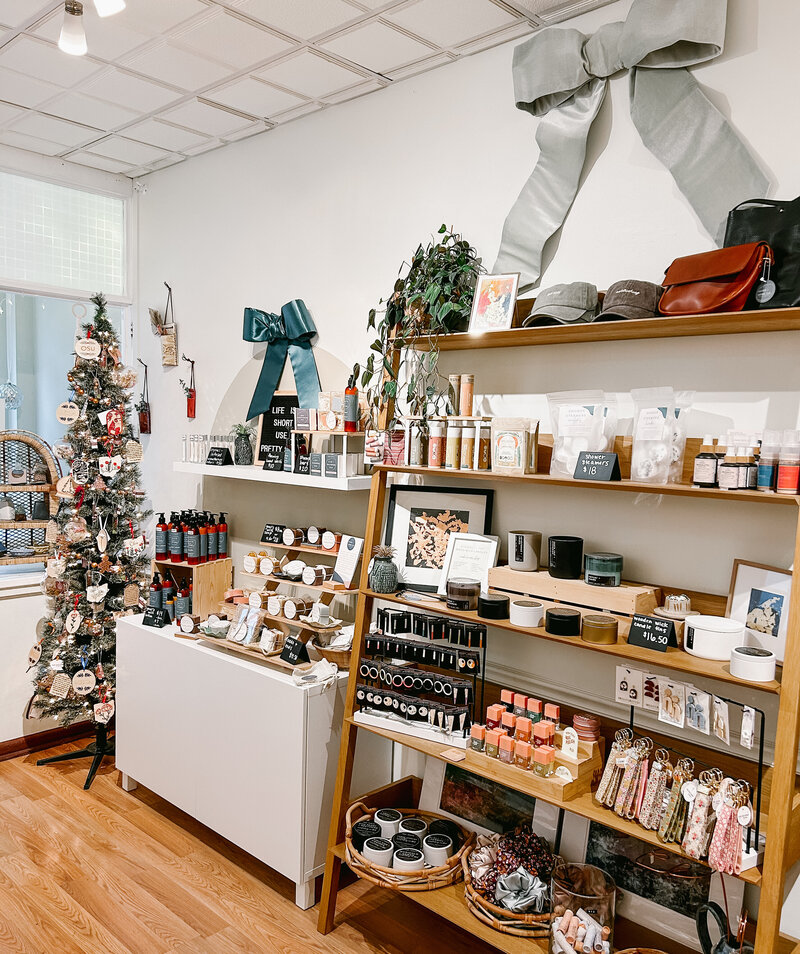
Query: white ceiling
[168,79]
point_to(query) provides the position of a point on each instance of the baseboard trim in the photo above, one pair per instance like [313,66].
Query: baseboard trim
[37,741]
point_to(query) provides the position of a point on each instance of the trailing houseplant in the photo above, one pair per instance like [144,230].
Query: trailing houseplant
[431,297]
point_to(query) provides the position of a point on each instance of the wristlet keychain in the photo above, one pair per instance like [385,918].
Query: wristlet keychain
[671,828]
[615,766]
[694,841]
[625,803]
[725,853]
[653,803]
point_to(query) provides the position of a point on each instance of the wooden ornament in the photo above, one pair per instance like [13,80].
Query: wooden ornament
[67,412]
[110,466]
[88,348]
[103,711]
[105,564]
[130,595]
[96,594]
[80,470]
[83,682]
[65,487]
[73,622]
[133,547]
[34,654]
[133,451]
[61,685]
[102,540]
[51,532]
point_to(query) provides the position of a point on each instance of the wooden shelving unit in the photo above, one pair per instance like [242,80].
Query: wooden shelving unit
[781,814]
[209,581]
[260,475]
[23,449]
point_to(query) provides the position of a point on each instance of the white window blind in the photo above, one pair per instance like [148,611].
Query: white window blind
[60,237]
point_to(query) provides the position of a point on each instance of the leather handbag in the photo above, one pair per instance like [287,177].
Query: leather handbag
[713,281]
[778,223]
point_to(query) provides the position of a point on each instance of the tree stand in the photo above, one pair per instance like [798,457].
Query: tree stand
[96,751]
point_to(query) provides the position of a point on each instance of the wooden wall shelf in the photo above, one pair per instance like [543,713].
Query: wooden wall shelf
[260,475]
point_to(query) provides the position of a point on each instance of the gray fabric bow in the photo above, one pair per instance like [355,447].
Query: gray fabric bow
[562,76]
[521,891]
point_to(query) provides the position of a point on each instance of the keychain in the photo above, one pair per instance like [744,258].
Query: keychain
[612,775]
[695,839]
[672,824]
[628,794]
[653,803]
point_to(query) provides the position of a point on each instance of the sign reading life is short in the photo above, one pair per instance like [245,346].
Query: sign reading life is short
[652,632]
[593,465]
[294,651]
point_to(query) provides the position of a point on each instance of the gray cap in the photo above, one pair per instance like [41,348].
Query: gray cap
[564,305]
[631,299]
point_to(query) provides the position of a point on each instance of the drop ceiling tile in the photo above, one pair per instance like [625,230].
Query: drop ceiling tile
[296,113]
[16,12]
[520,28]
[9,113]
[555,11]
[177,67]
[302,18]
[126,150]
[253,97]
[199,150]
[86,158]
[374,5]
[352,92]
[86,109]
[421,66]
[377,47]
[162,134]
[231,40]
[31,143]
[309,74]
[106,37]
[253,130]
[212,120]
[169,161]
[131,92]
[55,130]
[25,90]
[157,17]
[46,62]
[448,22]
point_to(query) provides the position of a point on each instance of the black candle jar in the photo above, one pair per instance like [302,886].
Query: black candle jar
[565,557]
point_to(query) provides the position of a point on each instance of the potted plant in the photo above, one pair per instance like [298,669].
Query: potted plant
[431,297]
[383,573]
[243,443]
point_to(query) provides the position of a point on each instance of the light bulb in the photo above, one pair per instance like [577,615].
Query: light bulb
[73,38]
[107,8]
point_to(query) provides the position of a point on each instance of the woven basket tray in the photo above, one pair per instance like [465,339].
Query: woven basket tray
[426,880]
[339,657]
[501,919]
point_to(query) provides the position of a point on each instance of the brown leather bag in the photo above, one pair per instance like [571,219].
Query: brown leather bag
[713,281]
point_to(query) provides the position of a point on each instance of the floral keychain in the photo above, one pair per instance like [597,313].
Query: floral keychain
[671,827]
[615,765]
[653,802]
[629,785]
[725,852]
[694,841]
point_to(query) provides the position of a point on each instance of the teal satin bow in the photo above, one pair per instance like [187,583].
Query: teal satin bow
[290,333]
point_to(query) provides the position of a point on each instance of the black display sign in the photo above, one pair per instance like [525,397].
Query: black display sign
[652,632]
[219,457]
[592,465]
[294,651]
[275,428]
[273,533]
[273,459]
[302,464]
[155,616]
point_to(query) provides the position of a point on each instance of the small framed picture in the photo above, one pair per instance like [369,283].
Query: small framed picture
[759,598]
[493,304]
[469,556]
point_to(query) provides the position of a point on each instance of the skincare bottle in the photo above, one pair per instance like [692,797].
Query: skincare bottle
[721,451]
[705,465]
[477,738]
[468,436]
[522,755]
[156,593]
[222,537]
[752,465]
[506,749]
[202,529]
[484,445]
[768,462]
[162,546]
[492,743]
[789,463]
[728,471]
[436,444]
[453,450]
[213,536]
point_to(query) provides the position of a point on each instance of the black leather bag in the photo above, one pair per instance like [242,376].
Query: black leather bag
[778,224]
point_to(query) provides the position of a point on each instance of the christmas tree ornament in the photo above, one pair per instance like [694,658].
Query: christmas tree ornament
[44,628]
[104,711]
[115,354]
[105,564]
[80,470]
[130,595]
[74,619]
[60,686]
[96,594]
[65,487]
[110,466]
[133,451]
[123,376]
[75,530]
[51,531]
[67,412]
[56,567]
[99,485]
[34,654]
[113,420]
[12,395]
[84,681]
[88,348]
[99,671]
[102,536]
[133,547]
[64,450]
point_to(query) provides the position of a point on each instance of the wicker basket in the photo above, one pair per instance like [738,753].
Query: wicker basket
[339,657]
[640,950]
[426,880]
[499,918]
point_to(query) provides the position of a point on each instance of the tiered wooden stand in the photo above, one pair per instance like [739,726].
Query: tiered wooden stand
[26,449]
[209,581]
[781,805]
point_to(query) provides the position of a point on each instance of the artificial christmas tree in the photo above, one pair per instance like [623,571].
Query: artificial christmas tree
[101,566]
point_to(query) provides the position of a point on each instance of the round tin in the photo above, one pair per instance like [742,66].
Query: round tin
[600,629]
[603,569]
[753,664]
[362,830]
[493,606]
[562,621]
[462,594]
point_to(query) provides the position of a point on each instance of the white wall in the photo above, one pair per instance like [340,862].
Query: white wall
[21,605]
[327,208]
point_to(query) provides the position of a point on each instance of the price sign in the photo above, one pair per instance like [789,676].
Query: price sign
[302,464]
[592,465]
[219,457]
[273,459]
[155,617]
[273,533]
[294,651]
[651,632]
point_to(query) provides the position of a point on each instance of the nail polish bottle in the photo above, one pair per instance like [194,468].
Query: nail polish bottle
[506,746]
[492,746]
[477,738]
[522,755]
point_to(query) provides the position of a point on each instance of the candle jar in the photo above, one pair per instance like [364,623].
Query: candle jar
[603,569]
[565,557]
[590,891]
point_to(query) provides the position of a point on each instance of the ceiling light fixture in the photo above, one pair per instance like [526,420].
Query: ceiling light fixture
[73,37]
[107,8]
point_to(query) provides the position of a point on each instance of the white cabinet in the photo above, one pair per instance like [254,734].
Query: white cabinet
[237,745]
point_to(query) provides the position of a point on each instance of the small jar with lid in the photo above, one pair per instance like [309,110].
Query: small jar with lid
[603,569]
[506,747]
[453,449]
[522,755]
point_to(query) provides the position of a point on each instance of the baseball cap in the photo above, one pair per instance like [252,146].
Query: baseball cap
[630,299]
[568,304]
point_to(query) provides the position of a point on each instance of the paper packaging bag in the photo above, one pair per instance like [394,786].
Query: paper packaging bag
[515,445]
[328,418]
[169,347]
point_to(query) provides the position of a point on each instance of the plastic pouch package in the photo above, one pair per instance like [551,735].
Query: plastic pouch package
[577,419]
[654,415]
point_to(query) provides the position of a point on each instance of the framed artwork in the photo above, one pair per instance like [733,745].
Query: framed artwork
[493,304]
[479,804]
[419,523]
[469,556]
[759,598]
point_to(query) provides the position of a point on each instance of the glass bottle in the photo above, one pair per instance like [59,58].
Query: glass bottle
[477,738]
[492,746]
[524,729]
[506,746]
[705,465]
[522,755]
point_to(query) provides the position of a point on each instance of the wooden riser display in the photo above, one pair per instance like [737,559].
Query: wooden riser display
[209,581]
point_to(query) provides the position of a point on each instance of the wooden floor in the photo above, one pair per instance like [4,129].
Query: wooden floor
[112,872]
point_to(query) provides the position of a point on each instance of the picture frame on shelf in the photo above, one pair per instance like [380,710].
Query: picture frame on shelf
[493,304]
[419,523]
[759,598]
[479,804]
[469,556]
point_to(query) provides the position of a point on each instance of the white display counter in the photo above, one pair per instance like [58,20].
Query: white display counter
[236,745]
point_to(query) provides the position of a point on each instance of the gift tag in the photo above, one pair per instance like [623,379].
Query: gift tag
[570,744]
[67,412]
[51,533]
[133,546]
[80,470]
[110,466]
[765,291]
[103,711]
[61,686]
[65,487]
[130,596]
[689,790]
[716,802]
[133,451]
[34,654]
[73,622]
[83,682]
[88,349]
[745,816]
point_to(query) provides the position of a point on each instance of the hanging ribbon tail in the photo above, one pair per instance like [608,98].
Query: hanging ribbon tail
[288,333]
[561,76]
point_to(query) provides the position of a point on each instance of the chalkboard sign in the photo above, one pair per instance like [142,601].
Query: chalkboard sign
[155,616]
[275,428]
[652,632]
[592,465]
[302,464]
[273,533]
[219,457]
[294,651]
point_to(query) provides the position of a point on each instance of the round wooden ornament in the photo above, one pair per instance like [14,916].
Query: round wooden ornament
[67,412]
[65,487]
[88,348]
[73,622]
[34,654]
[83,682]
